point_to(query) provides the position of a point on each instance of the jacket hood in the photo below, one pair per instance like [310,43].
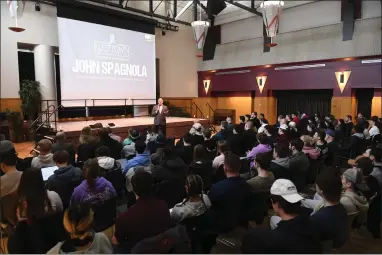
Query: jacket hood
[106,162]
[46,159]
[144,158]
[68,172]
[284,162]
[100,183]
[358,199]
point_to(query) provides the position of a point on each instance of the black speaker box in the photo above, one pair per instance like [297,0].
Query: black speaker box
[214,7]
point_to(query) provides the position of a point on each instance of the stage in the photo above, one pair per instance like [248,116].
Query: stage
[176,126]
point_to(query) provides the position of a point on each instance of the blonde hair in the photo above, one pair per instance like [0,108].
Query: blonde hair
[44,146]
[86,135]
[308,140]
[78,221]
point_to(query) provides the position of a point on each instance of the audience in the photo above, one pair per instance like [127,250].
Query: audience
[283,134]
[148,217]
[223,133]
[142,157]
[105,162]
[62,145]
[87,145]
[186,148]
[105,140]
[95,189]
[45,158]
[197,133]
[249,136]
[195,204]
[293,233]
[348,125]
[332,146]
[264,179]
[78,222]
[210,144]
[262,147]
[219,160]
[374,130]
[228,196]
[309,149]
[357,142]
[280,164]
[299,164]
[320,143]
[201,166]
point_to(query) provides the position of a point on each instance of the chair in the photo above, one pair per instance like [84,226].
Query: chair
[105,214]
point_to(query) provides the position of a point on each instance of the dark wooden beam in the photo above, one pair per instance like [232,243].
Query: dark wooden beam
[267,40]
[241,6]
[175,10]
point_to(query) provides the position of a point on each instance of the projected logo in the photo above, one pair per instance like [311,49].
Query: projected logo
[111,48]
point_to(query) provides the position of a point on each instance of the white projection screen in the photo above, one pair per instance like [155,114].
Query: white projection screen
[102,62]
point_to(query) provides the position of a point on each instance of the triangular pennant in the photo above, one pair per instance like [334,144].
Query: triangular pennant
[206,85]
[200,32]
[261,82]
[342,79]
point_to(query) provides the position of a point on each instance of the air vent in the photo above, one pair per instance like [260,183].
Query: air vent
[370,61]
[298,67]
[233,72]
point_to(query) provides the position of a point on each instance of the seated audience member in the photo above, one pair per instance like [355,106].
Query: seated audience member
[255,120]
[375,154]
[249,136]
[280,165]
[219,160]
[320,143]
[332,146]
[309,149]
[262,116]
[142,157]
[196,202]
[62,145]
[64,177]
[210,144]
[128,150]
[262,147]
[197,133]
[310,129]
[94,189]
[295,118]
[151,135]
[201,166]
[242,121]
[264,179]
[148,217]
[113,136]
[158,144]
[229,120]
[223,133]
[293,232]
[235,141]
[366,133]
[11,178]
[357,143]
[283,135]
[186,149]
[78,222]
[348,125]
[298,163]
[45,158]
[372,191]
[374,130]
[87,145]
[229,195]
[293,131]
[105,140]
[105,162]
[330,220]
[263,123]
[35,201]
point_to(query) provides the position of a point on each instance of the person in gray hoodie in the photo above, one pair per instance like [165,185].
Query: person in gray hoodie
[196,202]
[45,158]
[280,165]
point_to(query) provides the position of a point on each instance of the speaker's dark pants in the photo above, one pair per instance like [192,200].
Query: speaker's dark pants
[162,128]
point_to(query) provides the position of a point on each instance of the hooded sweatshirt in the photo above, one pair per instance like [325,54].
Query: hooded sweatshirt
[188,209]
[103,190]
[355,203]
[63,176]
[42,161]
[143,159]
[312,152]
[108,164]
[284,162]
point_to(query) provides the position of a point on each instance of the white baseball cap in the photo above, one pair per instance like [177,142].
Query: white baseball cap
[287,190]
[283,127]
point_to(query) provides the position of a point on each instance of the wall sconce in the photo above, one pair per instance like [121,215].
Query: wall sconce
[342,79]
[206,85]
[261,82]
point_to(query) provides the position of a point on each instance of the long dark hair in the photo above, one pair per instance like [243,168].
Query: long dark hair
[194,185]
[91,172]
[200,153]
[32,192]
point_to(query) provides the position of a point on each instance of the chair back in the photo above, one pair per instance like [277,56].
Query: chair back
[171,191]
[105,214]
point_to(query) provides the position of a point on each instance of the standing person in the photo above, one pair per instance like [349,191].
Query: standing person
[160,111]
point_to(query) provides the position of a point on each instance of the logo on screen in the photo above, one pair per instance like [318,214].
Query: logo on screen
[111,48]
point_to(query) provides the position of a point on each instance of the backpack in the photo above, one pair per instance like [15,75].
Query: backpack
[175,240]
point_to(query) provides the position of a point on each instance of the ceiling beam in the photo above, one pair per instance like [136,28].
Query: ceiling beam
[204,7]
[241,6]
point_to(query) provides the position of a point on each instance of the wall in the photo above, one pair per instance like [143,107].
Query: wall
[303,28]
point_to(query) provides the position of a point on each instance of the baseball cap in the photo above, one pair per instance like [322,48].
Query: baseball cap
[330,132]
[353,175]
[292,124]
[287,190]
[283,127]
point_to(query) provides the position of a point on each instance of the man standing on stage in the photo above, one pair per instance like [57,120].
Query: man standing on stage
[160,111]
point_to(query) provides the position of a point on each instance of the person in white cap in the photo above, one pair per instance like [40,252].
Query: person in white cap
[290,232]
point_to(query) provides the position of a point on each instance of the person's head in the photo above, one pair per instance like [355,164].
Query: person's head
[350,178]
[310,127]
[248,125]
[140,146]
[8,156]
[160,101]
[200,152]
[374,121]
[283,129]
[207,133]
[292,125]
[365,165]
[32,192]
[231,164]
[78,222]
[341,122]
[319,135]
[103,133]
[247,117]
[242,119]
[329,135]
[222,146]
[375,154]
[194,185]
[86,135]
[358,129]
[262,116]
[103,151]
[285,198]
[188,139]
[229,120]
[44,146]
[294,115]
[329,186]
[280,117]
[61,158]
[296,145]
[288,117]
[307,140]
[142,184]
[254,115]
[134,135]
[360,115]
[262,161]
[281,150]
[91,172]
[269,130]
[348,118]
[60,137]
[262,138]
[223,125]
